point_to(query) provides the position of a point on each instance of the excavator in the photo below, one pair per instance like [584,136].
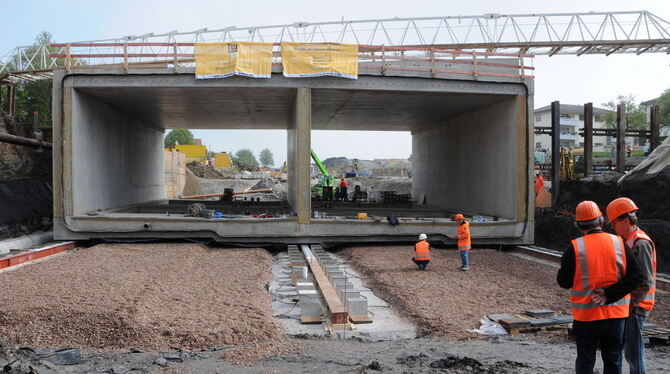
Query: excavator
[325,179]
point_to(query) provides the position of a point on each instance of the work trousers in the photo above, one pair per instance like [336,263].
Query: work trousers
[634,344]
[464,258]
[421,263]
[606,334]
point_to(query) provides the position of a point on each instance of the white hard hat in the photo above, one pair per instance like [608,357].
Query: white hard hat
[423,237]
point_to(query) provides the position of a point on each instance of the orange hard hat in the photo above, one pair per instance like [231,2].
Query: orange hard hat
[587,211]
[459,216]
[619,207]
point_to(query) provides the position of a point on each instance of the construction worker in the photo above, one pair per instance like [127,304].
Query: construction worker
[539,184]
[422,252]
[464,242]
[343,189]
[623,219]
[600,273]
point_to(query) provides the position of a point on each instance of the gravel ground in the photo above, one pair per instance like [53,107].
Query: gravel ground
[145,296]
[446,302]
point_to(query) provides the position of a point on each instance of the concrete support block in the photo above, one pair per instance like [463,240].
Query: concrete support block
[343,286]
[302,286]
[348,293]
[298,272]
[357,306]
[308,295]
[310,308]
[332,275]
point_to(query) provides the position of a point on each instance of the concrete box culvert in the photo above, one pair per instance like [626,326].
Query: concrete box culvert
[471,143]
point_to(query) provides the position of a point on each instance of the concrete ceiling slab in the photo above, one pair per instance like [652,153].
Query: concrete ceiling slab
[271,107]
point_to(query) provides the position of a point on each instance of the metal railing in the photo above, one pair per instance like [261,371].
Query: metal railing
[383,59]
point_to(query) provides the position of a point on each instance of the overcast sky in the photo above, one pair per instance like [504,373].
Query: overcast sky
[570,79]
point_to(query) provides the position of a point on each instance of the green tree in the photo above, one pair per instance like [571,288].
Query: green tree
[636,117]
[266,157]
[178,136]
[664,102]
[246,157]
[36,96]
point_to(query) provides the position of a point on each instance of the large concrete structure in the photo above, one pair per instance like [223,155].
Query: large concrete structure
[472,150]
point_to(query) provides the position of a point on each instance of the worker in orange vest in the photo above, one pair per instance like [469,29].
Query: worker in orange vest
[343,189]
[422,252]
[600,274]
[464,242]
[623,219]
[539,184]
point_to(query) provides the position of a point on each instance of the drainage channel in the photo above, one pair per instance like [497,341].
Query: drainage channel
[316,293]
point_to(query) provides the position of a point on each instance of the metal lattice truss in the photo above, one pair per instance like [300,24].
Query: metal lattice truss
[539,34]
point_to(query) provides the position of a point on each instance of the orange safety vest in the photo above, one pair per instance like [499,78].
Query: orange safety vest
[648,302]
[463,234]
[422,251]
[600,261]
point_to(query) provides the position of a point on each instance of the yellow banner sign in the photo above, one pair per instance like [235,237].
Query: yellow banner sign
[221,60]
[319,59]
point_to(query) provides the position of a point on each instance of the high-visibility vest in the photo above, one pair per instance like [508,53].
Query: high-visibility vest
[422,251]
[649,300]
[463,233]
[600,261]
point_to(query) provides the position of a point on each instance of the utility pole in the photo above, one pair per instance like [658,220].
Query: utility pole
[588,139]
[555,151]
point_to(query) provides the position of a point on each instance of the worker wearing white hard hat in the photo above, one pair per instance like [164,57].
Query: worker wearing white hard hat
[422,252]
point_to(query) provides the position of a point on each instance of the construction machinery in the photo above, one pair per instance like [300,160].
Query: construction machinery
[325,178]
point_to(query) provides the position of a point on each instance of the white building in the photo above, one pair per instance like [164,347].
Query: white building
[572,120]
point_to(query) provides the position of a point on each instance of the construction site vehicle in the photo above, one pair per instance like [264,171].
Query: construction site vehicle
[325,178]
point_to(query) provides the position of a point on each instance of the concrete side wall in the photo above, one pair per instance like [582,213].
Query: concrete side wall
[298,157]
[117,160]
[470,163]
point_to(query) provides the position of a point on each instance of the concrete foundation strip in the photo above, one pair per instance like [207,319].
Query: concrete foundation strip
[336,312]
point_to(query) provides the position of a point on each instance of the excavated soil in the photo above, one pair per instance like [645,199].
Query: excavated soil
[146,296]
[446,302]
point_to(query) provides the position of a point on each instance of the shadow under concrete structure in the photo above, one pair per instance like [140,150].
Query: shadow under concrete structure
[470,152]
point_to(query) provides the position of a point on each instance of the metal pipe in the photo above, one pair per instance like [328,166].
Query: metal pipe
[19,140]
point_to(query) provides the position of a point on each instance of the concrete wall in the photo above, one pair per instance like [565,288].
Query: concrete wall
[118,160]
[470,163]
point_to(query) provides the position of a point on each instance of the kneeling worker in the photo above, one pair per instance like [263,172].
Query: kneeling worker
[422,252]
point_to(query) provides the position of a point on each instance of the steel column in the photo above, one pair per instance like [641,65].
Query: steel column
[655,127]
[588,139]
[621,138]
[555,151]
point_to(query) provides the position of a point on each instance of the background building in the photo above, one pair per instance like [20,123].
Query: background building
[572,120]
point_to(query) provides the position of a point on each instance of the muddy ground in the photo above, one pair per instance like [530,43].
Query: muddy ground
[216,306]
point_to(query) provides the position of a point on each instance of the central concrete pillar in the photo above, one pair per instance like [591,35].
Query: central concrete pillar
[298,160]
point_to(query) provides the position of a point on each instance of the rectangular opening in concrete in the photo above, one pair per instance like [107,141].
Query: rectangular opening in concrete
[465,151]
[120,135]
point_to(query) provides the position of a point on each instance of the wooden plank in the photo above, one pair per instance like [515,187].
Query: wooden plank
[307,320]
[360,319]
[337,313]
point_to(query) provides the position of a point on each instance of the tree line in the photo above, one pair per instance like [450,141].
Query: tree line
[243,158]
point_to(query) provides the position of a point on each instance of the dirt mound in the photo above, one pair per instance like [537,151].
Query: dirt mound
[446,302]
[205,171]
[266,182]
[148,297]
